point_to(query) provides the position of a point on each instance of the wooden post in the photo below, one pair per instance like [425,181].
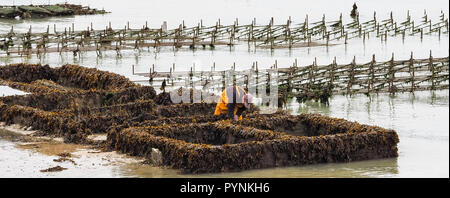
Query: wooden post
[439,33]
[250,34]
[256,77]
[223,80]
[385,36]
[357,18]
[403,36]
[346,37]
[309,40]
[431,30]
[391,75]
[446,24]
[431,67]
[306,24]
[408,17]
[359,31]
[392,18]
[193,39]
[378,29]
[232,33]
[328,38]
[372,75]
[421,34]
[333,69]
[323,19]
[412,72]
[311,74]
[395,29]
[269,34]
[132,69]
[351,76]
[425,15]
[375,19]
[364,36]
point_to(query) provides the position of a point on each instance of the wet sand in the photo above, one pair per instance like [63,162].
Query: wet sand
[25,155]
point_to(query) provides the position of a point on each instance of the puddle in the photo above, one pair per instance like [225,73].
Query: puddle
[50,148]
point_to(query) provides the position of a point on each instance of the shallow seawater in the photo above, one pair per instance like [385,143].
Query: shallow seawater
[27,160]
[421,119]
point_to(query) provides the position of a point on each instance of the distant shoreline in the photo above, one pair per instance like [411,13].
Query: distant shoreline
[44,11]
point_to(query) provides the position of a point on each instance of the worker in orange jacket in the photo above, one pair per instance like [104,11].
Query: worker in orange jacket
[234,102]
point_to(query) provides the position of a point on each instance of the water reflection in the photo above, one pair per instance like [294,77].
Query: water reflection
[361,169]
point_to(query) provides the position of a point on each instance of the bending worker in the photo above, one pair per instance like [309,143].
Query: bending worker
[234,102]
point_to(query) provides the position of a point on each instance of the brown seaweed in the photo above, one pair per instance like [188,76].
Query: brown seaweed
[188,152]
[73,102]
[66,75]
[163,99]
[54,169]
